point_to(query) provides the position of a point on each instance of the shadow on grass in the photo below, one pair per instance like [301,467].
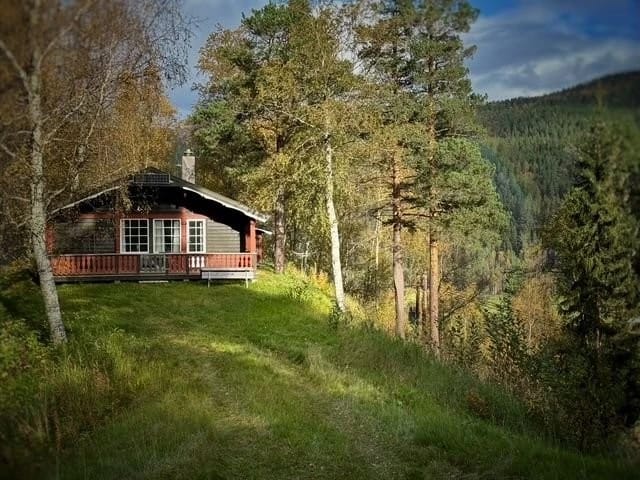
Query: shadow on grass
[237,411]
[241,414]
[289,329]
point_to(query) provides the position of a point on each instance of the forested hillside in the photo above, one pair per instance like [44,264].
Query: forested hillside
[532,144]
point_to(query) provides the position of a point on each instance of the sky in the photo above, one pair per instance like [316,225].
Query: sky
[524,47]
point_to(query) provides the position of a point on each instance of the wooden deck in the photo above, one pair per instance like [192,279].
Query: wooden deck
[170,266]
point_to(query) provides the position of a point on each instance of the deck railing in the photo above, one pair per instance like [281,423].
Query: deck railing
[90,265]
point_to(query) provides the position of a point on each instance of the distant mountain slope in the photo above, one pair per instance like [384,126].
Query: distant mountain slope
[531,142]
[617,90]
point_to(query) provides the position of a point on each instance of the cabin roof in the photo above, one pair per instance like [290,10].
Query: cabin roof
[166,179]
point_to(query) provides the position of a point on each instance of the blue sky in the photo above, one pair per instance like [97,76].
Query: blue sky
[525,47]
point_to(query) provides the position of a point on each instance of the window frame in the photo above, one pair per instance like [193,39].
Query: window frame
[153,234]
[123,236]
[203,222]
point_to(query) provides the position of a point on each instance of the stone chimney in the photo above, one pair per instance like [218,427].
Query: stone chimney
[189,166]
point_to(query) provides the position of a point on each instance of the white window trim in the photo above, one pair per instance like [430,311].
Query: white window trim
[153,234]
[204,234]
[122,249]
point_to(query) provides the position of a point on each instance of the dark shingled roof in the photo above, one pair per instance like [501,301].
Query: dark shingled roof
[181,183]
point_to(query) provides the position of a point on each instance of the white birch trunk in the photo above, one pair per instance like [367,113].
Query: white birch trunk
[336,264]
[38,217]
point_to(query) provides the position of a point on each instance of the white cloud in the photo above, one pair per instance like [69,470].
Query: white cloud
[537,49]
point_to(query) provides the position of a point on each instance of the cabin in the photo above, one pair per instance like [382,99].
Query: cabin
[154,226]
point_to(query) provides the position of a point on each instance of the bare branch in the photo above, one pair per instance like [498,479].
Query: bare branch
[65,118]
[64,31]
[6,150]
[51,197]
[16,66]
[463,303]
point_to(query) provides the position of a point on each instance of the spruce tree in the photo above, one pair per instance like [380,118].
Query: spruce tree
[596,240]
[595,237]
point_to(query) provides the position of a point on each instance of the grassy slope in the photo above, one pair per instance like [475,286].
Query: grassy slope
[237,383]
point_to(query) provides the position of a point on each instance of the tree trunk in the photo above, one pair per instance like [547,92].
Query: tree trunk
[434,293]
[37,218]
[398,269]
[418,310]
[280,234]
[425,308]
[336,264]
[434,256]
[37,224]
[376,243]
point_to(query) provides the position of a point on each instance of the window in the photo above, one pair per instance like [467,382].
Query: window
[166,236]
[196,236]
[135,235]
[85,236]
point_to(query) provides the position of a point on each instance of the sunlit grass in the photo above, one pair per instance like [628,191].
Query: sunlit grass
[228,382]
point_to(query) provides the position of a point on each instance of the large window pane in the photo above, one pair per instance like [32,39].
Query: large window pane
[135,236]
[166,236]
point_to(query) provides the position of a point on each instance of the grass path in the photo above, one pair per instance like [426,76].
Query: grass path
[235,383]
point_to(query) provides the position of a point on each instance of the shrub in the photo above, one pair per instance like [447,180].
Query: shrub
[24,363]
[50,397]
[507,353]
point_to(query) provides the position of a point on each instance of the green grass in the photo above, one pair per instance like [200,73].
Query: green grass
[227,382]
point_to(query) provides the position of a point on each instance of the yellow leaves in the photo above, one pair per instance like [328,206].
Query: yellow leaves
[142,127]
[535,309]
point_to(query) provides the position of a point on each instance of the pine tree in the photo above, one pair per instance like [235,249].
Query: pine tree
[278,99]
[384,47]
[595,237]
[415,50]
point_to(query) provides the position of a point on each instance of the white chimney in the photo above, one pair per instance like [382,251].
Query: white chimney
[189,166]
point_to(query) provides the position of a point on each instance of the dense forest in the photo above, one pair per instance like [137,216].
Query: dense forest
[500,239]
[532,143]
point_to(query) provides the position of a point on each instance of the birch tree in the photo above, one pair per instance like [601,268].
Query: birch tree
[327,86]
[68,62]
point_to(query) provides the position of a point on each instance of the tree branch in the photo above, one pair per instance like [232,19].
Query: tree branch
[16,66]
[6,150]
[64,31]
[64,119]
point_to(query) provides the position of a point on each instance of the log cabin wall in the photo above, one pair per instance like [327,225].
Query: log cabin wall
[100,232]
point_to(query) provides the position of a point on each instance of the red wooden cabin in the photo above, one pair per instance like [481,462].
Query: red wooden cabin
[171,229]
